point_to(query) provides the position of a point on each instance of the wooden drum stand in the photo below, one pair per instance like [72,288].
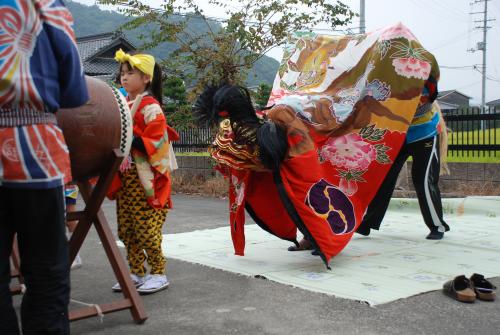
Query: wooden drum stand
[93,215]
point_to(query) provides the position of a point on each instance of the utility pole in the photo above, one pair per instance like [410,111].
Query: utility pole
[362,24]
[481,46]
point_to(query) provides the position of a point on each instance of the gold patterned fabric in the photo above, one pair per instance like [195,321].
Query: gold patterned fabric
[228,152]
[140,226]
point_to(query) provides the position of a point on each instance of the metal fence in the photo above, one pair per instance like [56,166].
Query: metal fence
[194,140]
[474,132]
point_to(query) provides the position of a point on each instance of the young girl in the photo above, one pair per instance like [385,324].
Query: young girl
[142,187]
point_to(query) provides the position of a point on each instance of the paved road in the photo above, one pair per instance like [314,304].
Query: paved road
[203,300]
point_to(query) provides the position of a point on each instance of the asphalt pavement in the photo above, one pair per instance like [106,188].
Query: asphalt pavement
[203,300]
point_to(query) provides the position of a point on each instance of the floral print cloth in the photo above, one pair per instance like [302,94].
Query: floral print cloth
[346,103]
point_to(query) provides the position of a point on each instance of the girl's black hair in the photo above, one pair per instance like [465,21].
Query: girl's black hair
[155,86]
[118,76]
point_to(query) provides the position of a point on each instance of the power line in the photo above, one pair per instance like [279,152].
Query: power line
[446,9]
[493,79]
[481,46]
[468,68]
[465,67]
[438,12]
[468,85]
[452,40]
[487,77]
[495,68]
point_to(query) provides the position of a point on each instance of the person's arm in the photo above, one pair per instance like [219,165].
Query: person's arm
[153,135]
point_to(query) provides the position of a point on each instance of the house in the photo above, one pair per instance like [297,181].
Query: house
[494,103]
[98,52]
[452,99]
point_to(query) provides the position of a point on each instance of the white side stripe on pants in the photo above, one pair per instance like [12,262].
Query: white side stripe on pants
[430,204]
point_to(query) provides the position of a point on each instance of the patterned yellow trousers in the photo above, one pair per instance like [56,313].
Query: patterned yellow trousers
[139,226]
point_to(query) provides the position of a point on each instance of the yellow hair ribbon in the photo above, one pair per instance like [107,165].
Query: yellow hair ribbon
[142,62]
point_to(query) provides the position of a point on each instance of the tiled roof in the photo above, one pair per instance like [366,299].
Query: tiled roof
[95,51]
[89,45]
[447,106]
[442,94]
[493,102]
[99,66]
[92,48]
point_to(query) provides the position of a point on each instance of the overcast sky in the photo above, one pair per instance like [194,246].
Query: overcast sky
[444,27]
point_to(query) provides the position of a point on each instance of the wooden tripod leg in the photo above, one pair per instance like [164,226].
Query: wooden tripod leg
[93,198]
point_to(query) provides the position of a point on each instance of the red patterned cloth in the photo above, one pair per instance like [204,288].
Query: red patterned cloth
[150,125]
[33,156]
[346,104]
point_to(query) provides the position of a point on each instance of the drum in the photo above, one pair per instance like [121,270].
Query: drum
[93,130]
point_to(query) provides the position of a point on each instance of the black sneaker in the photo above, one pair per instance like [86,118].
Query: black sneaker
[435,235]
[315,253]
[365,231]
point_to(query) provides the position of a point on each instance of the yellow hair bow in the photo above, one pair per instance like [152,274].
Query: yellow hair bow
[144,63]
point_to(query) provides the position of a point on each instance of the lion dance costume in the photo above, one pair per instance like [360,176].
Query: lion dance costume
[341,107]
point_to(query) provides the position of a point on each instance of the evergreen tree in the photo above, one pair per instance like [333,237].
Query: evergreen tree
[175,91]
[262,95]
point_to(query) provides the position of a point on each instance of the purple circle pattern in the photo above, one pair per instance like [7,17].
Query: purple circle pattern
[331,204]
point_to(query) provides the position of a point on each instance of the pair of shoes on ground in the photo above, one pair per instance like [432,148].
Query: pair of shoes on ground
[147,284]
[465,289]
[433,235]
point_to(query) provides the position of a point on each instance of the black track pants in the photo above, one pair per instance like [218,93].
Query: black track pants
[425,175]
[37,216]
